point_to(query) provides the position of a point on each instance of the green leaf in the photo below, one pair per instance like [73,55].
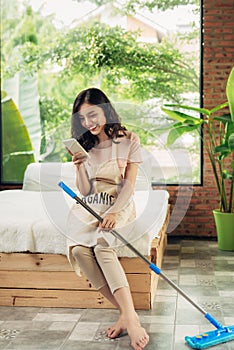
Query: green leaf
[232,164]
[223,149]
[181,117]
[230,93]
[3,94]
[175,115]
[226,175]
[177,132]
[231,142]
[217,108]
[225,118]
[190,108]
[17,148]
[25,87]
[172,137]
[229,130]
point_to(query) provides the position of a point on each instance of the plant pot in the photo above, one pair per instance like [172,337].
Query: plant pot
[225,229]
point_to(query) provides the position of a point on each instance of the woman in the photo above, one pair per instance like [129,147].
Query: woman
[106,180]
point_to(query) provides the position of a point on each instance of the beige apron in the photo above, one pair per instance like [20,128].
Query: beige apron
[83,227]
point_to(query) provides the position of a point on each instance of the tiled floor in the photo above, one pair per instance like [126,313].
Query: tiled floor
[198,267]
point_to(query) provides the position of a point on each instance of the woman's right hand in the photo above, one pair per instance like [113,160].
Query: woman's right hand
[78,159]
[82,179]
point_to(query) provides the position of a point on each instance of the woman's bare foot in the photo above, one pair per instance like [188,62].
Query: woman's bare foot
[139,337]
[118,328]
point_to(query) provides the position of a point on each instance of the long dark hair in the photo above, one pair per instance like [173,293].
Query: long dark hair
[112,128]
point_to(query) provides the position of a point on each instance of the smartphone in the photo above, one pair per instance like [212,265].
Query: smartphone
[74,147]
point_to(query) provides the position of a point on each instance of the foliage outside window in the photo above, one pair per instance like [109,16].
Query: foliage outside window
[46,63]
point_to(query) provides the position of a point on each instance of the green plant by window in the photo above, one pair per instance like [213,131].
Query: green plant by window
[218,139]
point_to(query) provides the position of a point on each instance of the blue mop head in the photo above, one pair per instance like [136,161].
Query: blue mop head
[212,338]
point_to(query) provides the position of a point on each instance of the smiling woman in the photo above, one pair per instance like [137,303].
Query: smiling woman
[92,118]
[93,111]
[91,247]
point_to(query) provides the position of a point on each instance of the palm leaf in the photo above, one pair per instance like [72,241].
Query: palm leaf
[17,151]
[230,93]
[220,106]
[231,142]
[190,108]
[177,132]
[182,117]
[23,90]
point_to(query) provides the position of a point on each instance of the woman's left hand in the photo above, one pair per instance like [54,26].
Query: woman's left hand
[109,221]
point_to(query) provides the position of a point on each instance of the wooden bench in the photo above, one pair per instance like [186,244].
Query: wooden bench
[47,280]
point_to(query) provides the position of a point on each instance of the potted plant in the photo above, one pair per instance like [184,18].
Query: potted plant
[218,140]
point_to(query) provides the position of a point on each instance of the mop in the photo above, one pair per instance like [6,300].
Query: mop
[220,335]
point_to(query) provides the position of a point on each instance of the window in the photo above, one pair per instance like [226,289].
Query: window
[141,58]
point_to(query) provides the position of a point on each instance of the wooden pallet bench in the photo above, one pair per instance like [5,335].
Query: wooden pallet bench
[47,280]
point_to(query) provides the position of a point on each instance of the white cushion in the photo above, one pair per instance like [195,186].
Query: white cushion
[46,176]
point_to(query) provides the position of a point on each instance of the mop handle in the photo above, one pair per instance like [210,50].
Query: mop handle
[151,265]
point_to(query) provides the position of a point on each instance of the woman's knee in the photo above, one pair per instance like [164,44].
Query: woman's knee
[105,254]
[79,252]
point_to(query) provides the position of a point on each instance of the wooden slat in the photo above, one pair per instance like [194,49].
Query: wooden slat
[56,262]
[34,262]
[43,280]
[139,282]
[61,298]
[153,288]
[63,280]
[159,253]
[134,265]
[54,298]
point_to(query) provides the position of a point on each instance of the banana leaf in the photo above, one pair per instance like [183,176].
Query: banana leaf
[178,131]
[182,117]
[190,108]
[230,93]
[17,150]
[24,92]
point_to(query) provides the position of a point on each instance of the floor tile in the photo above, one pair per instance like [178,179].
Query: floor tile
[84,331]
[87,345]
[187,250]
[62,326]
[184,330]
[187,280]
[24,325]
[63,310]
[158,319]
[56,317]
[12,314]
[187,263]
[37,340]
[100,316]
[160,341]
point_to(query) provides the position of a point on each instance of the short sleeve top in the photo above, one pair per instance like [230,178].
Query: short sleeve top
[128,150]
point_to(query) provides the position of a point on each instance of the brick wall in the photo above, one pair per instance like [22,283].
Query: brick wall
[192,207]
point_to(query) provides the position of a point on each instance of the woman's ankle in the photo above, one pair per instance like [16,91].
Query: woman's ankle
[131,317]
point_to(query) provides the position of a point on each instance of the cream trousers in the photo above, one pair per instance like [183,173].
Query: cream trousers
[101,266]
